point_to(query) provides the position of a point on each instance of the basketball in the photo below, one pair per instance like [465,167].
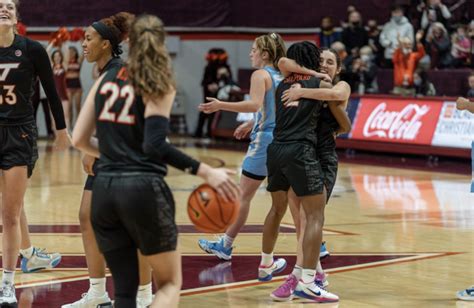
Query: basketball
[209,212]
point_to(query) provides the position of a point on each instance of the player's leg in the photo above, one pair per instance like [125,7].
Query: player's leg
[167,272]
[144,294]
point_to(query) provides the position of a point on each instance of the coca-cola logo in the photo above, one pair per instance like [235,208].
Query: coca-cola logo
[402,125]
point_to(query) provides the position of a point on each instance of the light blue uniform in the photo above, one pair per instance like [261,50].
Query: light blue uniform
[255,161]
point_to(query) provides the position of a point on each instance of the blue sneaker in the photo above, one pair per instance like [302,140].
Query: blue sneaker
[39,260]
[323,252]
[466,295]
[216,248]
[266,273]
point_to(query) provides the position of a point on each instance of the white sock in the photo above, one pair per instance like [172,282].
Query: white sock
[97,287]
[308,275]
[28,252]
[267,259]
[319,268]
[144,292]
[8,277]
[228,241]
[297,271]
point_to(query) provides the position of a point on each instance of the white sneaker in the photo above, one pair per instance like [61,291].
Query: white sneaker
[144,302]
[313,292]
[266,273]
[466,295]
[7,296]
[87,301]
[39,260]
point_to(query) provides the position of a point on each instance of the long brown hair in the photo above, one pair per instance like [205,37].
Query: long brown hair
[274,45]
[149,64]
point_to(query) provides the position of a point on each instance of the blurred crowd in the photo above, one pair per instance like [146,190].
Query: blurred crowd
[418,37]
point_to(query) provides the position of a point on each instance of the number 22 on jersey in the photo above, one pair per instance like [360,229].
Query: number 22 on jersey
[115,93]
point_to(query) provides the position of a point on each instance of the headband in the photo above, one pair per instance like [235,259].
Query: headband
[107,34]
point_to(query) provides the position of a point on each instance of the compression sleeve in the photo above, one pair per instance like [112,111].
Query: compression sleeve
[155,145]
[40,59]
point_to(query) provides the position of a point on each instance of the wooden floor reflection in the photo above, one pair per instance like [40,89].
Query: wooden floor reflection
[397,237]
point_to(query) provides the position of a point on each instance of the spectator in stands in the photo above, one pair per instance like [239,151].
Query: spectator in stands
[374,40]
[340,48]
[216,58]
[328,34]
[362,76]
[225,83]
[398,26]
[461,47]
[355,36]
[470,93]
[435,11]
[405,61]
[423,87]
[349,10]
[438,46]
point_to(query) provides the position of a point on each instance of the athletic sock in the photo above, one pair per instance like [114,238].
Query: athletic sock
[297,271]
[228,241]
[308,275]
[28,252]
[267,259]
[97,287]
[8,277]
[145,293]
[319,268]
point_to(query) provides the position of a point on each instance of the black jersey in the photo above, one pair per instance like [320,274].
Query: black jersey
[20,66]
[120,126]
[327,126]
[296,124]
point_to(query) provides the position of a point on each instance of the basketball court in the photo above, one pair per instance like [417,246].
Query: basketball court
[398,237]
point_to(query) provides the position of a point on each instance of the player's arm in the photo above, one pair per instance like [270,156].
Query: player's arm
[85,126]
[338,110]
[464,104]
[40,59]
[289,66]
[325,92]
[157,114]
[257,96]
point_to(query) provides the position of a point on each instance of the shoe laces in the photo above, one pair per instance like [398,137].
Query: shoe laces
[289,283]
[8,290]
[41,252]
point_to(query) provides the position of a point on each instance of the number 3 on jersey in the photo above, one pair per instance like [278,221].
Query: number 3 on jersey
[115,93]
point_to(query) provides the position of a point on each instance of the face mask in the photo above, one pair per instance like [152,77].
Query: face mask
[417,82]
[397,19]
[365,58]
[356,23]
[406,51]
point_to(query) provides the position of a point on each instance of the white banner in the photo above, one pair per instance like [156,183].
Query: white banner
[455,128]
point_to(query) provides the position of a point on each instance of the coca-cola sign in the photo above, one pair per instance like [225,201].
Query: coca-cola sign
[396,120]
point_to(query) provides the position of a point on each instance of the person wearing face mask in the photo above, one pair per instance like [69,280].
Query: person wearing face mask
[225,83]
[438,46]
[423,87]
[398,26]
[405,61]
[435,11]
[355,35]
[328,34]
[362,77]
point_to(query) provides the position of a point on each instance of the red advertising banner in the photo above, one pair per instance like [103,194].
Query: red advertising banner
[397,120]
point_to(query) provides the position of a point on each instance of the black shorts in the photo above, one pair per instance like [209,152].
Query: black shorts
[73,84]
[329,162]
[133,209]
[18,146]
[90,178]
[294,165]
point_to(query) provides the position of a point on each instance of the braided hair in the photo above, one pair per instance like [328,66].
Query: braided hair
[306,54]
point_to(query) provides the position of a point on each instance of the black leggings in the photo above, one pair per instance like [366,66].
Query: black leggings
[123,263]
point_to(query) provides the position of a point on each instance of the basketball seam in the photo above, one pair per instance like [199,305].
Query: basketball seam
[205,214]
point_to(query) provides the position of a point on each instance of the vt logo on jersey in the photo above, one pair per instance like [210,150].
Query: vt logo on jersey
[5,68]
[10,96]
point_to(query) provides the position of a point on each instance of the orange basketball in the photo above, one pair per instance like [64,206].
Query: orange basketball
[209,212]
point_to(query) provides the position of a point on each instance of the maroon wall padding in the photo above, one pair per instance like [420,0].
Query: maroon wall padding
[215,13]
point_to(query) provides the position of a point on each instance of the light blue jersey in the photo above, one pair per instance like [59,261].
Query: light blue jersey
[255,162]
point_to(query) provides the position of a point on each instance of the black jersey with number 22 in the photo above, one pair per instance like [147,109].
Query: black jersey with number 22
[120,126]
